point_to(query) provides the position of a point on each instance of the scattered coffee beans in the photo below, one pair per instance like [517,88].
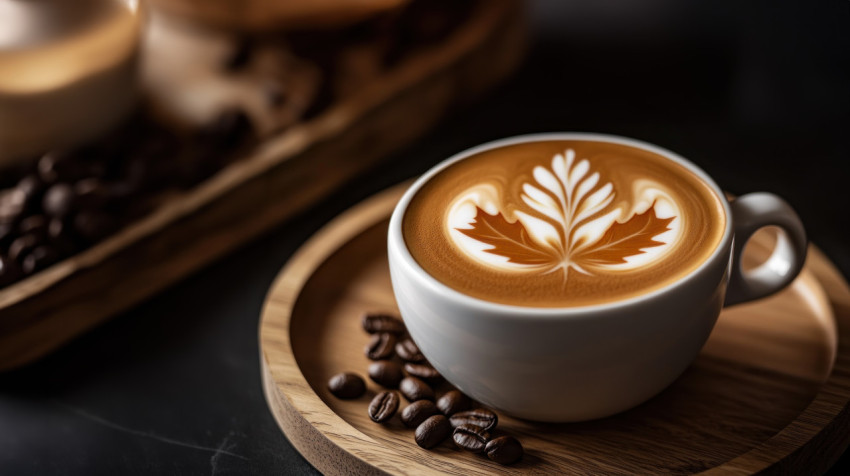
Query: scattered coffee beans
[373,323]
[480,417]
[386,373]
[380,346]
[471,438]
[383,406]
[414,389]
[347,385]
[422,371]
[504,450]
[417,412]
[452,402]
[409,351]
[469,429]
[432,431]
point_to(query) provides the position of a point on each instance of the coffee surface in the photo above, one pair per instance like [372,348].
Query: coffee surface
[563,223]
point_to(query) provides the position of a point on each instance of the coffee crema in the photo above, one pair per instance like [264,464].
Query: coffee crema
[562,223]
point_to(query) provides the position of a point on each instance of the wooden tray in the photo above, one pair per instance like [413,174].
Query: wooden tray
[768,393]
[283,176]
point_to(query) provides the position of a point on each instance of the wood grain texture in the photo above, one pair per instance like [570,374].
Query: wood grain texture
[768,394]
[284,175]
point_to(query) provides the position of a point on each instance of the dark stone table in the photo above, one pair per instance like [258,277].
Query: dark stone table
[757,93]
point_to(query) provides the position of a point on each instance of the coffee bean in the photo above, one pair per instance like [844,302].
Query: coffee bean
[386,373]
[35,225]
[59,200]
[380,346]
[33,188]
[417,412]
[471,438]
[422,371]
[504,450]
[90,193]
[40,258]
[347,385]
[480,417]
[58,228]
[373,323]
[22,246]
[383,406]
[409,351]
[432,431]
[12,204]
[452,402]
[60,165]
[414,389]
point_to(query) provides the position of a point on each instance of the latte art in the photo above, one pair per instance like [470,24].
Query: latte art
[562,223]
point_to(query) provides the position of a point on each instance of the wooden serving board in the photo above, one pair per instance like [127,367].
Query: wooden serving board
[285,174]
[768,393]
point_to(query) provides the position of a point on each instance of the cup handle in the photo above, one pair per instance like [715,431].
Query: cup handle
[750,213]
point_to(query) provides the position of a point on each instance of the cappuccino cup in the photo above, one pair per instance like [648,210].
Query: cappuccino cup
[571,276]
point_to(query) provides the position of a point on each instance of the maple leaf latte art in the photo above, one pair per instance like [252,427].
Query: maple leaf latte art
[563,223]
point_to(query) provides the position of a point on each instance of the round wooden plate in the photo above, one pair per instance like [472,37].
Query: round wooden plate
[769,391]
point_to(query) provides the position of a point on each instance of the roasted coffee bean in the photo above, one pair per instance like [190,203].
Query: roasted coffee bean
[417,412]
[35,225]
[90,193]
[480,417]
[471,438]
[504,450]
[452,402]
[373,323]
[383,406]
[12,204]
[380,346]
[414,389]
[409,351]
[60,166]
[40,258]
[386,373]
[59,200]
[432,431]
[422,371]
[93,225]
[33,188]
[58,228]
[347,385]
[22,246]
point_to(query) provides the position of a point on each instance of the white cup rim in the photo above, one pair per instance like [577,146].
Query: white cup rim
[396,243]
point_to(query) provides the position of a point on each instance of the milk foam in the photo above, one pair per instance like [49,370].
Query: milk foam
[562,223]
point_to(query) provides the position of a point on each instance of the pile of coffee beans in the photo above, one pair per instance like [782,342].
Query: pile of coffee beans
[436,411]
[67,200]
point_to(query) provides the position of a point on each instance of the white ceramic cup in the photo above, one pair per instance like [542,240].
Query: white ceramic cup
[582,363]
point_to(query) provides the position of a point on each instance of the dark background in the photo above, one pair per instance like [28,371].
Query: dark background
[755,92]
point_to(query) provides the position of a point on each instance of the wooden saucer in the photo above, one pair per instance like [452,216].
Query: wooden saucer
[769,392]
